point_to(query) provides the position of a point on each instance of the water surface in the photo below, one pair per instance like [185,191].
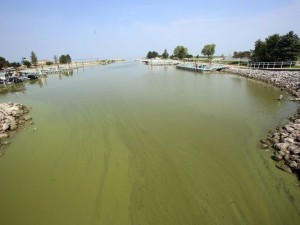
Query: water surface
[131,144]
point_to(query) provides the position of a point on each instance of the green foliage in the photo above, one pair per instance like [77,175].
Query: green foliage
[271,47]
[277,48]
[237,63]
[165,55]
[152,54]
[69,60]
[33,58]
[3,62]
[288,47]
[243,54]
[15,64]
[27,63]
[260,52]
[209,50]
[63,59]
[48,63]
[180,52]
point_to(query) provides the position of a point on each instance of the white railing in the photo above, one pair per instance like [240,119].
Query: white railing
[270,65]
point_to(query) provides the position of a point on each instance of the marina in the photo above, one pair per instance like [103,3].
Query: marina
[160,62]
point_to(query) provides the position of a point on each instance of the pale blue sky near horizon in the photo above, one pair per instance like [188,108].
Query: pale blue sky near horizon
[88,29]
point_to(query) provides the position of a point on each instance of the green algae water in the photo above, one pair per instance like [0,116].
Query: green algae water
[128,144]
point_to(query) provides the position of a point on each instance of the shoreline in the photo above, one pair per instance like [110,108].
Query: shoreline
[283,140]
[12,119]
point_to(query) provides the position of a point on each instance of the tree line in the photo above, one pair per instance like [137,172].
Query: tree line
[63,59]
[275,48]
[181,52]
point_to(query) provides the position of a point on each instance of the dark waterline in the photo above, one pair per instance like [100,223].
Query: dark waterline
[131,144]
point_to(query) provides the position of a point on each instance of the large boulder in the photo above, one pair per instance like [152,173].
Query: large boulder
[281,146]
[288,128]
[5,127]
[284,168]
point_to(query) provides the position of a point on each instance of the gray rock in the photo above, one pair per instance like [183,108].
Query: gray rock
[5,135]
[284,168]
[13,125]
[264,146]
[282,153]
[5,126]
[281,146]
[276,136]
[297,138]
[294,157]
[288,128]
[287,157]
[293,164]
[26,118]
[294,150]
[277,156]
[289,140]
[284,135]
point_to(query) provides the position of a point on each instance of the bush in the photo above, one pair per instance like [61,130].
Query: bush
[48,63]
[27,63]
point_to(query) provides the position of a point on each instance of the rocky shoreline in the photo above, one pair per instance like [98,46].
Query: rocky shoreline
[12,118]
[284,139]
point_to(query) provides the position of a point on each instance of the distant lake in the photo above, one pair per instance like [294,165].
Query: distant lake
[130,144]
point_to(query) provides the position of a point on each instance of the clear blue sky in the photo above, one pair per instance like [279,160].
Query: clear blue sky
[129,29]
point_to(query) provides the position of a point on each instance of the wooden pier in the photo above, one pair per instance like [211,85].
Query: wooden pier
[201,68]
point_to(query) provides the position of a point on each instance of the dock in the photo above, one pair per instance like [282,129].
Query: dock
[201,68]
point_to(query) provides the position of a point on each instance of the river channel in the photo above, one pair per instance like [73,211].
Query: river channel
[128,144]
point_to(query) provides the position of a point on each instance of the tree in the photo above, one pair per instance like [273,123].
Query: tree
[277,48]
[3,62]
[271,46]
[209,50]
[65,59]
[55,59]
[288,47]
[27,63]
[33,58]
[165,55]
[15,64]
[68,57]
[152,54]
[180,52]
[243,54]
[259,53]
